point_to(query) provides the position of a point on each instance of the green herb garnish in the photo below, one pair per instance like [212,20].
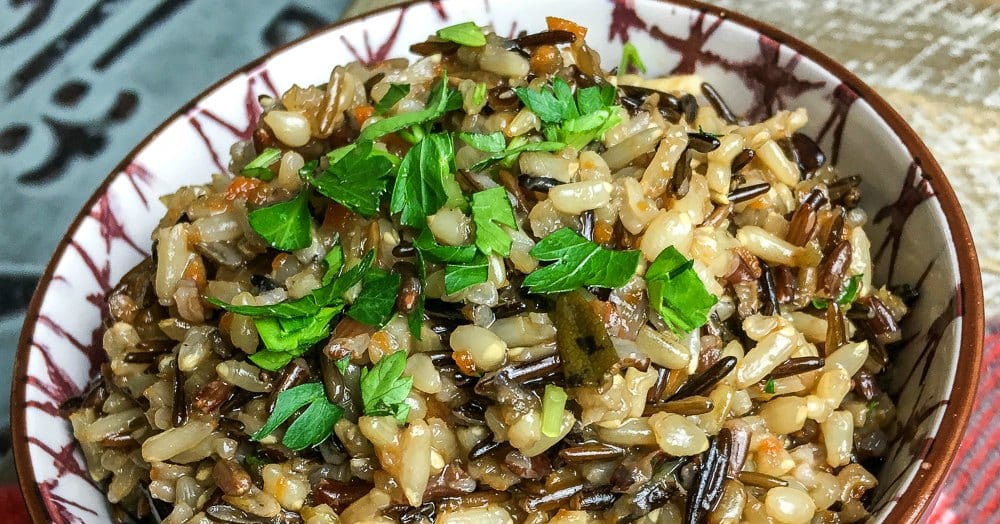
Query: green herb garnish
[553,403]
[573,121]
[357,180]
[676,292]
[491,209]
[490,143]
[479,94]
[512,151]
[395,93]
[384,388]
[286,226]
[287,338]
[703,132]
[769,386]
[458,276]
[847,296]
[420,182]
[375,303]
[259,167]
[441,100]
[578,262]
[429,247]
[630,58]
[334,261]
[466,33]
[311,427]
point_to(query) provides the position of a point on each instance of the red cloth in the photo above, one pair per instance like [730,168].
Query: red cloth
[12,508]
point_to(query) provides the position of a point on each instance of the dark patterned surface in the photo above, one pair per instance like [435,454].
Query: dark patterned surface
[81,82]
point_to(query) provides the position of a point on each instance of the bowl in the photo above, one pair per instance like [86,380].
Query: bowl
[919,235]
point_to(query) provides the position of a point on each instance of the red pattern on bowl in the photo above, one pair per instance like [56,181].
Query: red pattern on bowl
[917,229]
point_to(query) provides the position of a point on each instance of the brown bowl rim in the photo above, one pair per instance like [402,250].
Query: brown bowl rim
[910,504]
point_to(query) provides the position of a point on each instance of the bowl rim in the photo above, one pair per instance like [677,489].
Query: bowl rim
[910,504]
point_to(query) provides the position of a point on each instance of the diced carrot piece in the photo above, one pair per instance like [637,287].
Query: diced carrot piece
[561,24]
[603,232]
[246,188]
[362,113]
[195,271]
[465,363]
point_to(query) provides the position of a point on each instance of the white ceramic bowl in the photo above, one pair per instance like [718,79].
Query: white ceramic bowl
[918,232]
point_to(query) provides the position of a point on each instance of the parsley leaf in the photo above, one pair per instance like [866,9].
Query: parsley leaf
[395,93]
[384,389]
[578,262]
[575,122]
[334,260]
[378,297]
[287,338]
[357,180]
[479,95]
[630,57]
[490,209]
[288,402]
[259,167]
[491,143]
[512,152]
[331,291]
[769,386]
[311,427]
[420,183]
[466,33]
[416,319]
[459,276]
[847,295]
[441,100]
[286,226]
[428,246]
[676,292]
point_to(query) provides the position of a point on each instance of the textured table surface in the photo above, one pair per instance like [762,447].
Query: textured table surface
[82,81]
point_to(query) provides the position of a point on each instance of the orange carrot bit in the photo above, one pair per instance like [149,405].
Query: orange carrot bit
[195,271]
[561,24]
[246,188]
[465,363]
[278,260]
[363,112]
[603,232]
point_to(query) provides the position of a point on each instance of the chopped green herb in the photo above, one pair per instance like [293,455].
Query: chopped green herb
[343,363]
[703,132]
[426,245]
[578,262]
[491,143]
[395,93]
[286,226]
[491,209]
[420,182]
[334,260]
[416,319]
[378,296]
[872,404]
[630,58]
[357,180]
[553,403]
[676,292]
[260,167]
[458,276]
[466,33]
[847,296]
[479,95]
[769,386]
[311,427]
[513,152]
[573,122]
[441,100]
[384,389]
[287,338]
[329,293]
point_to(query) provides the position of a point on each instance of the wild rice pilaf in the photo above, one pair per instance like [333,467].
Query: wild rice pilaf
[499,284]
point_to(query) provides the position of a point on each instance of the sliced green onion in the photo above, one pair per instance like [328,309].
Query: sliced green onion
[258,167]
[466,33]
[553,404]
